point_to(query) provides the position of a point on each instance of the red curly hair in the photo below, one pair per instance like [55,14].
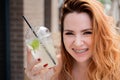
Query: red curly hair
[105,49]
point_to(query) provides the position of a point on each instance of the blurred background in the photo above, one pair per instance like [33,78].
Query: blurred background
[38,13]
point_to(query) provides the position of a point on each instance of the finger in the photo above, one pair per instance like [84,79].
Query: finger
[29,68]
[38,69]
[30,57]
[33,63]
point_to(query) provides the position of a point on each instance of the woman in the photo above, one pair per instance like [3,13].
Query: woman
[89,44]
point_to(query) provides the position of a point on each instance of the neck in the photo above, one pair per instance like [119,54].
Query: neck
[82,65]
[80,70]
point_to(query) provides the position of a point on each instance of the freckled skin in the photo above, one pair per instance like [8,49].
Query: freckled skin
[77,36]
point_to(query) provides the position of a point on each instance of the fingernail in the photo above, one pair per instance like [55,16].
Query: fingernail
[45,65]
[39,59]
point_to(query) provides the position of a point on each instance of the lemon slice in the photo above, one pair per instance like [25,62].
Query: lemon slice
[35,44]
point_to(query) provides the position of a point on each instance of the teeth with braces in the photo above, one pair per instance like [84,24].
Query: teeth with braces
[80,51]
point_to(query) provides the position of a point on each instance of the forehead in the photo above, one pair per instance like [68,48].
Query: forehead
[73,20]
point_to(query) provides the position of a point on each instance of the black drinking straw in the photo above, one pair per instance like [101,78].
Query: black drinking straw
[37,37]
[30,26]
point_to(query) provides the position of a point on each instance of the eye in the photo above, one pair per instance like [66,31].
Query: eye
[87,32]
[68,33]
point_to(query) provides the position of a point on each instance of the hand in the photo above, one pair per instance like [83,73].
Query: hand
[33,70]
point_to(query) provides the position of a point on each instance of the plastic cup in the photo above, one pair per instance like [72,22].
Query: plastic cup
[39,52]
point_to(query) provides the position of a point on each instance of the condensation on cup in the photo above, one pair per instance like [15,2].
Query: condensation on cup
[46,51]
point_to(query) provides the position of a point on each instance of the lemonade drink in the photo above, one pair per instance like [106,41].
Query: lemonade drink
[43,48]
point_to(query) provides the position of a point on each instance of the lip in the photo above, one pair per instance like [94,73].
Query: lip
[80,51]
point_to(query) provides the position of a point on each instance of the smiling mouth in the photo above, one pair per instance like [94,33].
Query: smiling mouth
[80,51]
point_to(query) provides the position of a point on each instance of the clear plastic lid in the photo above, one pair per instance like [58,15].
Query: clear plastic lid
[43,32]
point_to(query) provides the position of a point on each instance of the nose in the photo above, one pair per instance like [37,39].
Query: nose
[78,41]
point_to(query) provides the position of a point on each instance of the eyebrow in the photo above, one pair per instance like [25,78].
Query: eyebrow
[81,30]
[86,30]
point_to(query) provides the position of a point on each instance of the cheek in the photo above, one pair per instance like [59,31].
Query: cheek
[89,41]
[67,41]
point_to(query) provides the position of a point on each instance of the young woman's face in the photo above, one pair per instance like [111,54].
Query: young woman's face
[77,36]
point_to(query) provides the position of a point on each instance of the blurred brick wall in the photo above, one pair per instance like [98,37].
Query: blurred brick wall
[34,12]
[16,39]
